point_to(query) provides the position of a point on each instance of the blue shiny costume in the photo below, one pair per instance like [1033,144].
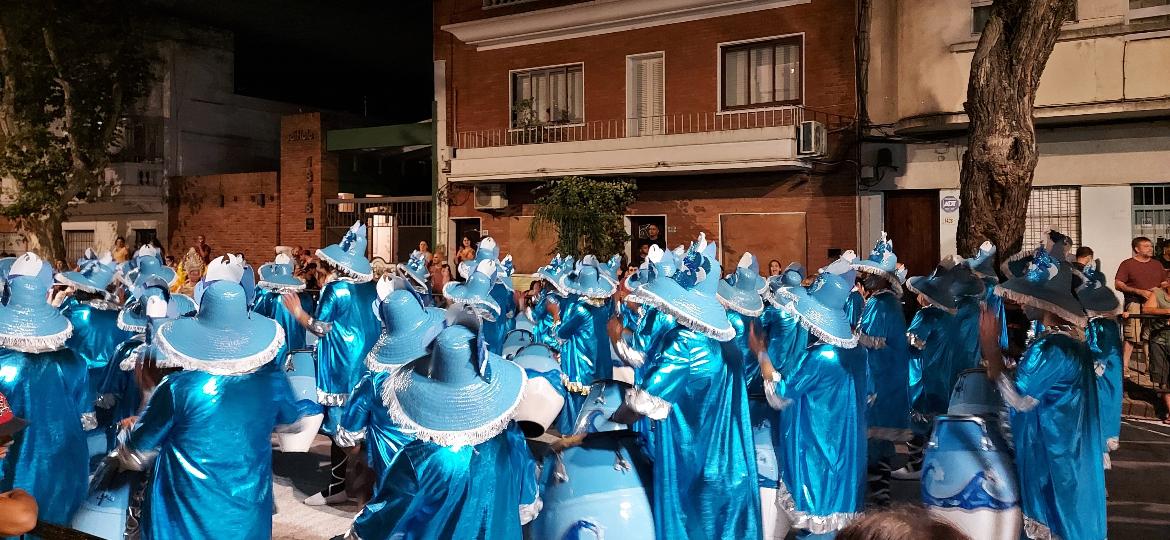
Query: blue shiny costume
[883,332]
[585,354]
[967,354]
[118,389]
[932,359]
[366,419]
[854,307]
[439,492]
[542,319]
[705,479]
[787,340]
[95,339]
[1058,443]
[1104,339]
[763,418]
[822,400]
[341,352]
[49,459]
[213,474]
[495,331]
[269,304]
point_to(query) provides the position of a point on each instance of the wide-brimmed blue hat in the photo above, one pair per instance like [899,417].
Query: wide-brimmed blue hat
[550,272]
[1017,265]
[1097,299]
[822,310]
[965,282]
[1047,285]
[613,268]
[983,263]
[487,250]
[349,255]
[408,328]
[459,395]
[741,291]
[28,323]
[133,317]
[666,265]
[476,292]
[690,294]
[93,276]
[225,337]
[882,262]
[786,286]
[416,268]
[589,279]
[148,262]
[89,255]
[278,275]
[937,287]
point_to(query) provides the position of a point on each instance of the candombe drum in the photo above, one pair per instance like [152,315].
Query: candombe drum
[301,370]
[515,340]
[969,479]
[768,470]
[105,510]
[598,489]
[542,401]
[974,393]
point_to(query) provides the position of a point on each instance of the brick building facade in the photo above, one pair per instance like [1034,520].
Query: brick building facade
[662,92]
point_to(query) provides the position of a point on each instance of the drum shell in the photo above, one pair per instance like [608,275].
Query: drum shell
[602,493]
[969,478]
[303,380]
[103,513]
[974,393]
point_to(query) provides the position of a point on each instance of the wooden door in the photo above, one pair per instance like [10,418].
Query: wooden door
[780,236]
[911,218]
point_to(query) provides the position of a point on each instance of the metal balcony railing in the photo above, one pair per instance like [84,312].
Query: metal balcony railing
[670,124]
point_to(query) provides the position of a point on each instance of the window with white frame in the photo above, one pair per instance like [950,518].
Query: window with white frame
[1149,9]
[551,95]
[762,73]
[981,11]
[1057,207]
[1151,211]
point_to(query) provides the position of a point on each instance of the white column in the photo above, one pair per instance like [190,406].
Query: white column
[1106,224]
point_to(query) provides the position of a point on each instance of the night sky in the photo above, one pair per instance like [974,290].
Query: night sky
[328,54]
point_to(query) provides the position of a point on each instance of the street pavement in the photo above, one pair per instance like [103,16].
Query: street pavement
[1138,484]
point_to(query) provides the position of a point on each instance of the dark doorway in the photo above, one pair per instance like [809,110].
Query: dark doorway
[911,218]
[645,231]
[464,228]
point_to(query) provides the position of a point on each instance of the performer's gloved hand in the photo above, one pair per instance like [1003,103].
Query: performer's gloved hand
[625,415]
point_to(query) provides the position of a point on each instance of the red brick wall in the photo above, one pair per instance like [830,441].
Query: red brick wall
[478,81]
[241,225]
[308,177]
[692,204]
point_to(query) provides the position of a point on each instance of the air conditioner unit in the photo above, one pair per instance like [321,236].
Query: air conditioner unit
[812,139]
[490,197]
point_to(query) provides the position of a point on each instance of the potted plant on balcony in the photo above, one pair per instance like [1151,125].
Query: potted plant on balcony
[526,122]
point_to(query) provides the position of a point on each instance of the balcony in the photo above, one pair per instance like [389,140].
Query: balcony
[671,144]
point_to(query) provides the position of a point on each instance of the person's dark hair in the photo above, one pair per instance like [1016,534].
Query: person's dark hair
[1134,244]
[1085,251]
[900,523]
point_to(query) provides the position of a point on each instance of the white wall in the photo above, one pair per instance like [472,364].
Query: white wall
[1106,224]
[948,225]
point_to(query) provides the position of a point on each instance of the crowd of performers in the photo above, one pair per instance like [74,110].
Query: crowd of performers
[674,400]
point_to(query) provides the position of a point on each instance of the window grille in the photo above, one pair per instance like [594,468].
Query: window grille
[1053,207]
[1151,211]
[76,243]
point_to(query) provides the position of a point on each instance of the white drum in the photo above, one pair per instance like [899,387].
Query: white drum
[303,378]
[969,479]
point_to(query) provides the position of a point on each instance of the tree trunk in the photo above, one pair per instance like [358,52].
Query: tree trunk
[45,237]
[1001,156]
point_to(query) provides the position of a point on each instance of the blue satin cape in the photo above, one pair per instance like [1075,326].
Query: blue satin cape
[883,333]
[932,359]
[705,478]
[495,331]
[213,473]
[1057,435]
[49,458]
[1104,339]
[269,304]
[341,352]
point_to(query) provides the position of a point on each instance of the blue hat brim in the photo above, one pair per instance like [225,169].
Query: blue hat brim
[1060,303]
[133,319]
[745,302]
[481,301]
[934,290]
[167,274]
[869,267]
[697,311]
[602,288]
[271,280]
[80,281]
[455,414]
[417,277]
[228,348]
[354,266]
[35,328]
[406,344]
[829,325]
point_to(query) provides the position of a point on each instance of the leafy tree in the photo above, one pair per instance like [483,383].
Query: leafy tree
[997,170]
[70,70]
[586,212]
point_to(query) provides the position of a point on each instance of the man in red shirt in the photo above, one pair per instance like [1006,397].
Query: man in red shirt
[1137,277]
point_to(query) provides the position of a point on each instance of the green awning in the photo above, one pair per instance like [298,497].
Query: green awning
[399,135]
